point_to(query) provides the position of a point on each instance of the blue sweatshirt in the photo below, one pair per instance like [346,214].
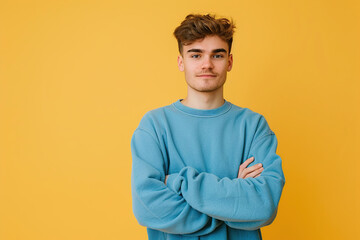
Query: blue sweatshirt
[201,151]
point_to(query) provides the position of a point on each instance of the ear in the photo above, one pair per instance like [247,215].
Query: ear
[230,62]
[180,63]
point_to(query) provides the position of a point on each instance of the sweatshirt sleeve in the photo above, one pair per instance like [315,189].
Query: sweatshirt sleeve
[154,204]
[246,204]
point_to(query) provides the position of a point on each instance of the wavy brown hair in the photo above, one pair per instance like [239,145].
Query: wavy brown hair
[196,26]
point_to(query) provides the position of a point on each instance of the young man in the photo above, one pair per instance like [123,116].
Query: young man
[204,168]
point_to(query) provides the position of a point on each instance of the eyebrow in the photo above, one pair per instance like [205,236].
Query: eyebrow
[213,51]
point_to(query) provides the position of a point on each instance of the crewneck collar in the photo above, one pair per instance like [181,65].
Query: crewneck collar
[202,112]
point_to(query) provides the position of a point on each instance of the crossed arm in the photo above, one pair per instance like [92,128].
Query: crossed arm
[197,203]
[155,205]
[244,172]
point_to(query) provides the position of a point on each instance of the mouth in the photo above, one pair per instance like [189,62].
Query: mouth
[206,75]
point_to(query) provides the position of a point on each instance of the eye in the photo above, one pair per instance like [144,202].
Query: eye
[218,56]
[195,56]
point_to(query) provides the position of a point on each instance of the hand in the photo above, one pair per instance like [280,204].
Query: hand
[166,177]
[253,171]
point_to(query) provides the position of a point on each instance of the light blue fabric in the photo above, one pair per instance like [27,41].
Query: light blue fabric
[201,151]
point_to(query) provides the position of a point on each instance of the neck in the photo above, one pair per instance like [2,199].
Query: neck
[204,100]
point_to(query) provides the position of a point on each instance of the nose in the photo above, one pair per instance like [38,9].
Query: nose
[207,63]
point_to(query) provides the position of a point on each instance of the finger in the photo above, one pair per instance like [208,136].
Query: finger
[254,173]
[250,170]
[244,165]
[257,175]
[253,168]
[247,162]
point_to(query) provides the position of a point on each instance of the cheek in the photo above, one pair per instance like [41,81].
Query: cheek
[189,69]
[225,68]
[188,75]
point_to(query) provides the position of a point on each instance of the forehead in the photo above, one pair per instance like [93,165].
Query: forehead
[207,44]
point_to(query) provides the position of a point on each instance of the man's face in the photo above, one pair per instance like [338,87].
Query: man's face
[206,63]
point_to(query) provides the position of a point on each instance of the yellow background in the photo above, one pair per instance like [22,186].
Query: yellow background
[77,76]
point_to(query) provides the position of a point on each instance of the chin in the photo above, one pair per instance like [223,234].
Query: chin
[207,88]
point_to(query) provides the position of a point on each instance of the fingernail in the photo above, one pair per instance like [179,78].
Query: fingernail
[259,164]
